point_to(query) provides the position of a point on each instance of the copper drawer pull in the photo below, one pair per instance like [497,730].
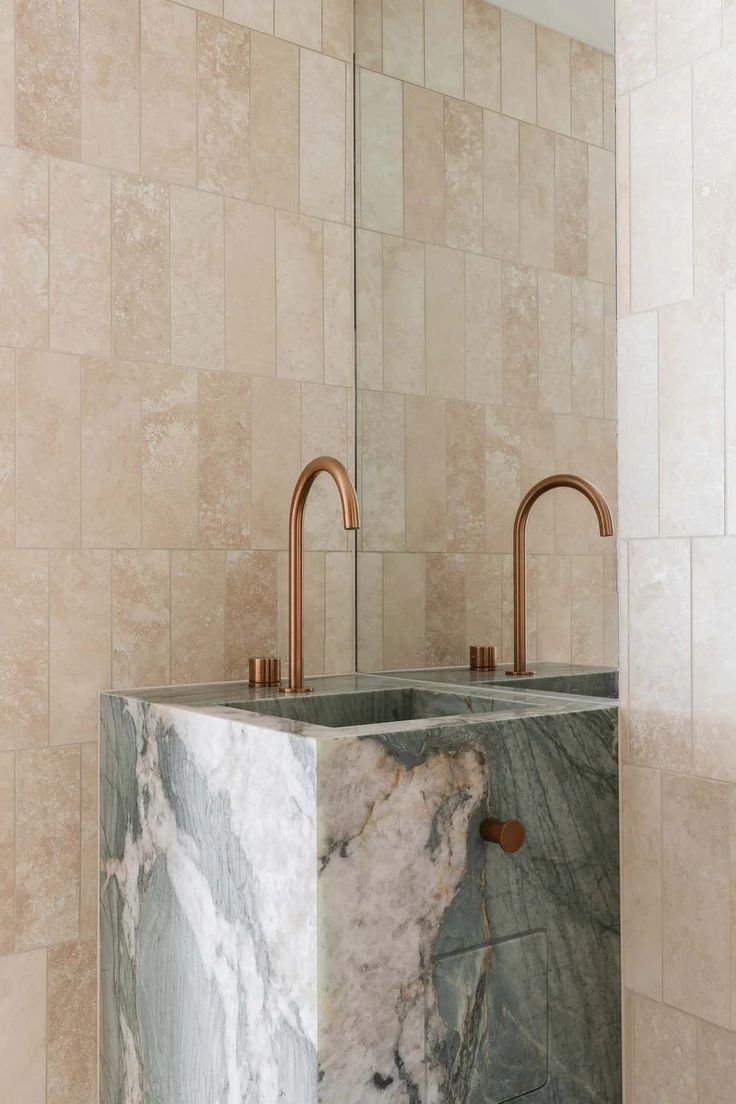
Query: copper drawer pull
[508,834]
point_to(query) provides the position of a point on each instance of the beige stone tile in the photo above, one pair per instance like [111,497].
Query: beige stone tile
[426,475]
[714,179]
[169,459]
[325,432]
[588,348]
[110,39]
[404,602]
[403,316]
[322,136]
[537,196]
[586,69]
[636,43]
[641,823]
[250,610]
[601,215]
[520,339]
[23,1044]
[7,448]
[586,446]
[168,91]
[141,304]
[381,154]
[89,850]
[424,165]
[659,625]
[368,30]
[538,453]
[299,298]
[197,279]
[571,206]
[369,309]
[381,433]
[716,1060]
[403,39]
[444,41]
[257,14]
[691,418]
[463,175]
[638,426]
[466,508]
[555,630]
[696,896]
[71,1076]
[223,106]
[729,20]
[337,29]
[661,183]
[664,1054]
[7,72]
[730,388]
[276,459]
[445,308]
[483,54]
[48,494]
[197,616]
[622,569]
[623,208]
[79,280]
[47,838]
[610,611]
[314,613]
[609,102]
[685,33]
[503,446]
[141,618]
[714,571]
[445,610]
[339,356]
[555,342]
[483,314]
[7,852]
[24,261]
[299,21]
[484,600]
[47,77]
[370,611]
[24,648]
[339,607]
[501,186]
[588,627]
[610,403]
[224,460]
[274,122]
[250,288]
[518,67]
[553,80]
[80,643]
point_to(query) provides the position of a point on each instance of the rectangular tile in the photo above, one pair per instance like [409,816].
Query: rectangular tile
[729,20]
[586,68]
[7,72]
[555,342]
[198,616]
[404,316]
[197,279]
[337,29]
[7,448]
[503,446]
[638,426]
[716,1058]
[714,179]
[223,106]
[47,77]
[224,451]
[71,1074]
[24,261]
[623,208]
[483,54]
[141,618]
[443,38]
[169,457]
[322,133]
[23,1009]
[463,175]
[520,337]
[518,67]
[274,122]
[466,520]
[300,21]
[7,852]
[571,206]
[554,88]
[381,434]
[588,627]
[257,14]
[276,459]
[483,599]
[381,154]
[713,669]
[339,606]
[404,598]
[24,590]
[601,215]
[168,91]
[501,186]
[368,33]
[369,309]
[445,309]
[141,302]
[424,165]
[483,320]
[110,40]
[426,475]
[554,608]
[250,610]
[325,432]
[403,39]
[664,1054]
[537,196]
[339,324]
[250,288]
[636,43]
[588,348]
[370,611]
[299,298]
[685,33]
[445,612]
[609,102]
[89,893]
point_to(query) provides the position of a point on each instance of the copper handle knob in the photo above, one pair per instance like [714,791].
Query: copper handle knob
[508,834]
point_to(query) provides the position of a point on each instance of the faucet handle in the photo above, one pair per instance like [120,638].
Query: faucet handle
[483,657]
[264,671]
[508,834]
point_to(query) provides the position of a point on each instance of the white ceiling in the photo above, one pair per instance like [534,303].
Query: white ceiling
[589,21]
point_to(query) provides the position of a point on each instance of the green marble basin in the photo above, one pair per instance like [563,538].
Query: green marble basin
[594,684]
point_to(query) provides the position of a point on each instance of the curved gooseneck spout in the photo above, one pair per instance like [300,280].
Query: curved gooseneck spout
[605,524]
[351,520]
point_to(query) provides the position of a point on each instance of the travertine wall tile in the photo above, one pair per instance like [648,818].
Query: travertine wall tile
[381,155]
[714,178]
[141,298]
[426,475]
[729,20]
[381,431]
[169,457]
[555,635]
[588,610]
[337,29]
[7,447]
[404,316]
[250,288]
[483,316]
[368,19]
[730,399]
[168,91]
[299,298]
[609,102]
[586,66]
[444,41]
[89,894]
[623,208]
[325,432]
[484,599]
[520,336]
[369,635]
[664,1054]
[714,572]
[110,83]
[24,590]
[197,279]
[466,522]
[223,107]
[588,348]
[641,820]
[300,21]
[601,215]
[503,440]
[571,206]
[445,308]
[445,610]
[274,122]
[716,1059]
[257,14]
[518,67]
[250,610]
[339,337]
[369,309]
[424,165]
[47,76]
[71,1076]
[322,136]
[7,852]
[197,616]
[141,637]
[7,72]
[224,457]
[404,602]
[501,186]
[23,1009]
[24,260]
[636,43]
[553,81]
[685,32]
[483,54]
[463,175]
[403,39]
[638,433]
[276,459]
[555,342]
[537,196]
[339,612]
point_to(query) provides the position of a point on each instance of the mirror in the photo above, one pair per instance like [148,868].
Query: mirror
[485,311]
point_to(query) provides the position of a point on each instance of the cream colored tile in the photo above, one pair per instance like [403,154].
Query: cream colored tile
[636,43]
[729,20]
[586,67]
[588,348]
[381,154]
[197,617]
[339,356]
[47,77]
[381,433]
[24,261]
[537,196]
[23,1015]
[48,423]
[463,175]
[141,305]
[445,612]
[466,521]
[89,895]
[501,186]
[339,606]
[571,206]
[7,852]
[659,625]
[587,446]
[426,475]
[314,613]
[553,80]
[169,460]
[555,628]
[641,822]
[370,611]
[403,316]
[274,122]
[716,1060]
[518,67]
[503,444]
[71,1076]
[685,33]
[601,215]
[730,386]
[520,339]
[80,643]
[588,627]
[141,618]
[300,21]
[696,896]
[443,36]
[609,342]
[7,72]
[325,432]
[445,308]
[404,600]
[555,342]
[664,1054]
[609,102]
[197,279]
[638,426]
[224,460]
[623,208]
[483,600]
[24,648]
[337,29]
[538,453]
[168,91]
[610,611]
[299,298]
[424,165]
[483,315]
[223,106]
[403,39]
[276,459]
[250,288]
[7,448]
[322,136]
[47,838]
[483,54]
[661,183]
[257,14]
[369,309]
[714,570]
[691,418]
[110,39]
[368,30]
[250,610]
[79,281]
[714,179]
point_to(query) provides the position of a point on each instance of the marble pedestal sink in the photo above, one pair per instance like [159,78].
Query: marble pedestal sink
[297,907]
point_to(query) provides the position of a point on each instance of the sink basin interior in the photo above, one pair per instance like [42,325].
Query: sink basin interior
[593,684]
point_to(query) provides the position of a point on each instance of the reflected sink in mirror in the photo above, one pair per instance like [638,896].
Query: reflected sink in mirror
[595,684]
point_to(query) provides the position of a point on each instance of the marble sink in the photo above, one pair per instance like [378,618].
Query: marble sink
[556,678]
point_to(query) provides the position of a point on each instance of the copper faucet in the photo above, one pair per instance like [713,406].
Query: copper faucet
[605,523]
[351,520]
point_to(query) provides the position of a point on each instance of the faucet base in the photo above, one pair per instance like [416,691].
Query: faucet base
[520,674]
[298,690]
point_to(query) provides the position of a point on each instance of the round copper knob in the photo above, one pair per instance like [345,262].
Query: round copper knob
[508,834]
